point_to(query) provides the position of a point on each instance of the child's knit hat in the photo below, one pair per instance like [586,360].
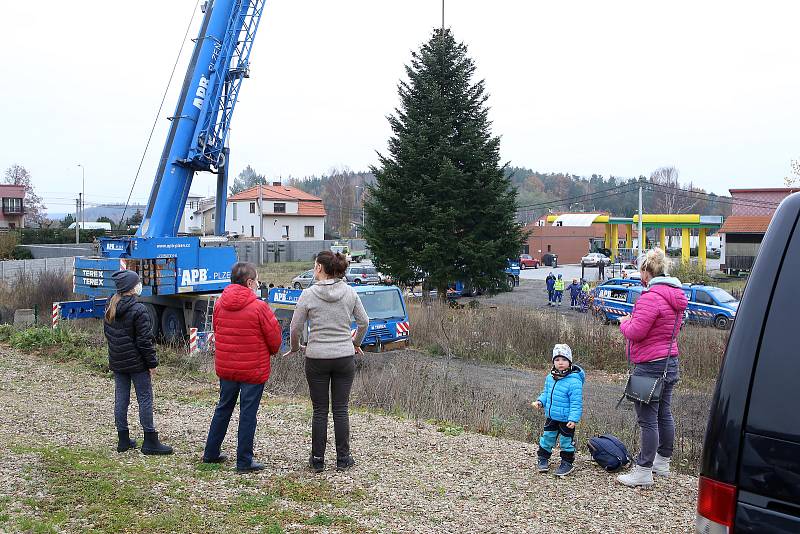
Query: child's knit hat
[563,350]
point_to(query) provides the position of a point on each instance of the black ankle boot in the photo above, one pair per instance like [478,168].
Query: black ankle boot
[125,442]
[151,445]
[316,463]
[344,463]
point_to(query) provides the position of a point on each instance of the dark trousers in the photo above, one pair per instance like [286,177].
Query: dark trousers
[559,295]
[248,409]
[566,440]
[655,419]
[122,398]
[551,295]
[329,382]
[574,300]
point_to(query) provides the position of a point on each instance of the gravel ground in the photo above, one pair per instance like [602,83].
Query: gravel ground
[410,477]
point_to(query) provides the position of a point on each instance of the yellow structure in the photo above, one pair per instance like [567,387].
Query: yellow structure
[687,222]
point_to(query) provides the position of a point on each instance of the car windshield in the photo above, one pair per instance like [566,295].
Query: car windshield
[721,296]
[369,270]
[525,257]
[382,304]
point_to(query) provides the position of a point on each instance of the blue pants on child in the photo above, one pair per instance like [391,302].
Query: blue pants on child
[559,295]
[566,440]
[551,296]
[574,301]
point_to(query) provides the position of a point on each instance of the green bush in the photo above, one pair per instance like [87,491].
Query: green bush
[36,236]
[42,337]
[690,273]
[21,253]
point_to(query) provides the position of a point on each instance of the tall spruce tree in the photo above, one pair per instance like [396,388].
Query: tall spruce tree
[441,206]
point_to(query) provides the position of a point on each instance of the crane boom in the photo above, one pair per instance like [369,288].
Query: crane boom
[200,125]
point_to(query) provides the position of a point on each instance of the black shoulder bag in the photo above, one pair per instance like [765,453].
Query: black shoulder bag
[647,389]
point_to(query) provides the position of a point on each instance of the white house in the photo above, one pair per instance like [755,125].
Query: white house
[190,223]
[280,212]
[205,215]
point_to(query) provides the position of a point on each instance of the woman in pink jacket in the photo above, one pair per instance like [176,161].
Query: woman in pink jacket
[649,331]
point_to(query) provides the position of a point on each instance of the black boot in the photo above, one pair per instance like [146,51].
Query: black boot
[151,445]
[125,442]
[316,463]
[344,463]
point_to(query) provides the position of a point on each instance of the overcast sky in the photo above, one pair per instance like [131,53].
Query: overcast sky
[582,87]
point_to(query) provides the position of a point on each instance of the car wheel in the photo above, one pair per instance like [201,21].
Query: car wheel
[357,282]
[298,285]
[521,266]
[722,322]
[535,265]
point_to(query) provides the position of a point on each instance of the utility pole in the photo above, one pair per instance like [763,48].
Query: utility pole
[642,238]
[77,227]
[83,191]
[260,225]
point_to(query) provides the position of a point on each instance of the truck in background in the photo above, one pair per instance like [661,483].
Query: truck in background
[389,326]
[351,255]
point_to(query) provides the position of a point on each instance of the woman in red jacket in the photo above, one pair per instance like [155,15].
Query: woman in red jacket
[652,333]
[246,334]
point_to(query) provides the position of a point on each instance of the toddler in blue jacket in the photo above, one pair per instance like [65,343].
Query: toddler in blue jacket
[562,402]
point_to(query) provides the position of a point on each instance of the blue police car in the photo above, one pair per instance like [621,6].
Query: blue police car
[710,305]
[611,301]
[389,326]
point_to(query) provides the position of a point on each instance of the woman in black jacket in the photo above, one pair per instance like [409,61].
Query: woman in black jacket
[132,358]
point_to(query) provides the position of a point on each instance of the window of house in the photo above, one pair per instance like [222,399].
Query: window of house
[286,232]
[12,205]
[212,216]
[280,207]
[252,231]
[309,231]
[252,207]
[234,212]
[549,248]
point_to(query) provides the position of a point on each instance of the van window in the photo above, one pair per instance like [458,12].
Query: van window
[704,298]
[773,400]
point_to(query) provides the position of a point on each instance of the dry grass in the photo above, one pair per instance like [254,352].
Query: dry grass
[525,337]
[34,292]
[281,274]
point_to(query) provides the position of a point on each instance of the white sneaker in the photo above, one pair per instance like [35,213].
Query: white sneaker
[638,476]
[661,466]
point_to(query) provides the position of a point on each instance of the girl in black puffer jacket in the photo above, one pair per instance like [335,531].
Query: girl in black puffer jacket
[132,358]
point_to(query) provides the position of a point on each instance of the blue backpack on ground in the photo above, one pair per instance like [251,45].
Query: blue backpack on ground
[609,452]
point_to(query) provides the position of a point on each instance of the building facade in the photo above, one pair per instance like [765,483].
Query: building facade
[276,213]
[743,231]
[12,215]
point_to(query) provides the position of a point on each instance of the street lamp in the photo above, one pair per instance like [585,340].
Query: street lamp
[83,194]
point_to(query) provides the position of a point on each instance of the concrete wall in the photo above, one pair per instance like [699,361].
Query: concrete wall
[10,270]
[293,250]
[61,250]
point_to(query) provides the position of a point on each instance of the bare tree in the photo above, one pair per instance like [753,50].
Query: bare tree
[794,179]
[34,209]
[339,198]
[671,198]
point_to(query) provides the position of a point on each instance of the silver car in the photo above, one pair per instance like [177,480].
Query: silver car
[303,280]
[362,275]
[594,259]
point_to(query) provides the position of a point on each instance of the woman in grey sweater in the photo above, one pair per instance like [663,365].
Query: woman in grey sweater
[329,306]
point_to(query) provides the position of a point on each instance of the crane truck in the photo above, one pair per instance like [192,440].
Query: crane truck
[183,276]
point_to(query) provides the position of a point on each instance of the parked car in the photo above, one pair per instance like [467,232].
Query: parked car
[751,455]
[594,259]
[612,301]
[631,270]
[303,280]
[711,305]
[618,282]
[526,261]
[362,275]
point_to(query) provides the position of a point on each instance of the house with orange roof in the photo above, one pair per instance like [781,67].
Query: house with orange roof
[276,213]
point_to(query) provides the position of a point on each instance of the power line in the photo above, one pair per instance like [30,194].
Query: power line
[579,198]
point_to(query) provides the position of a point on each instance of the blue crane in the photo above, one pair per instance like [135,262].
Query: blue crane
[181,274]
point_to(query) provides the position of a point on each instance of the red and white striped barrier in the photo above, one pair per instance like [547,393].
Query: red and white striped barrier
[403,328]
[56,314]
[192,341]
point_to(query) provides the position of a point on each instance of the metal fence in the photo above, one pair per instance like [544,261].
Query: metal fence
[10,270]
[261,252]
